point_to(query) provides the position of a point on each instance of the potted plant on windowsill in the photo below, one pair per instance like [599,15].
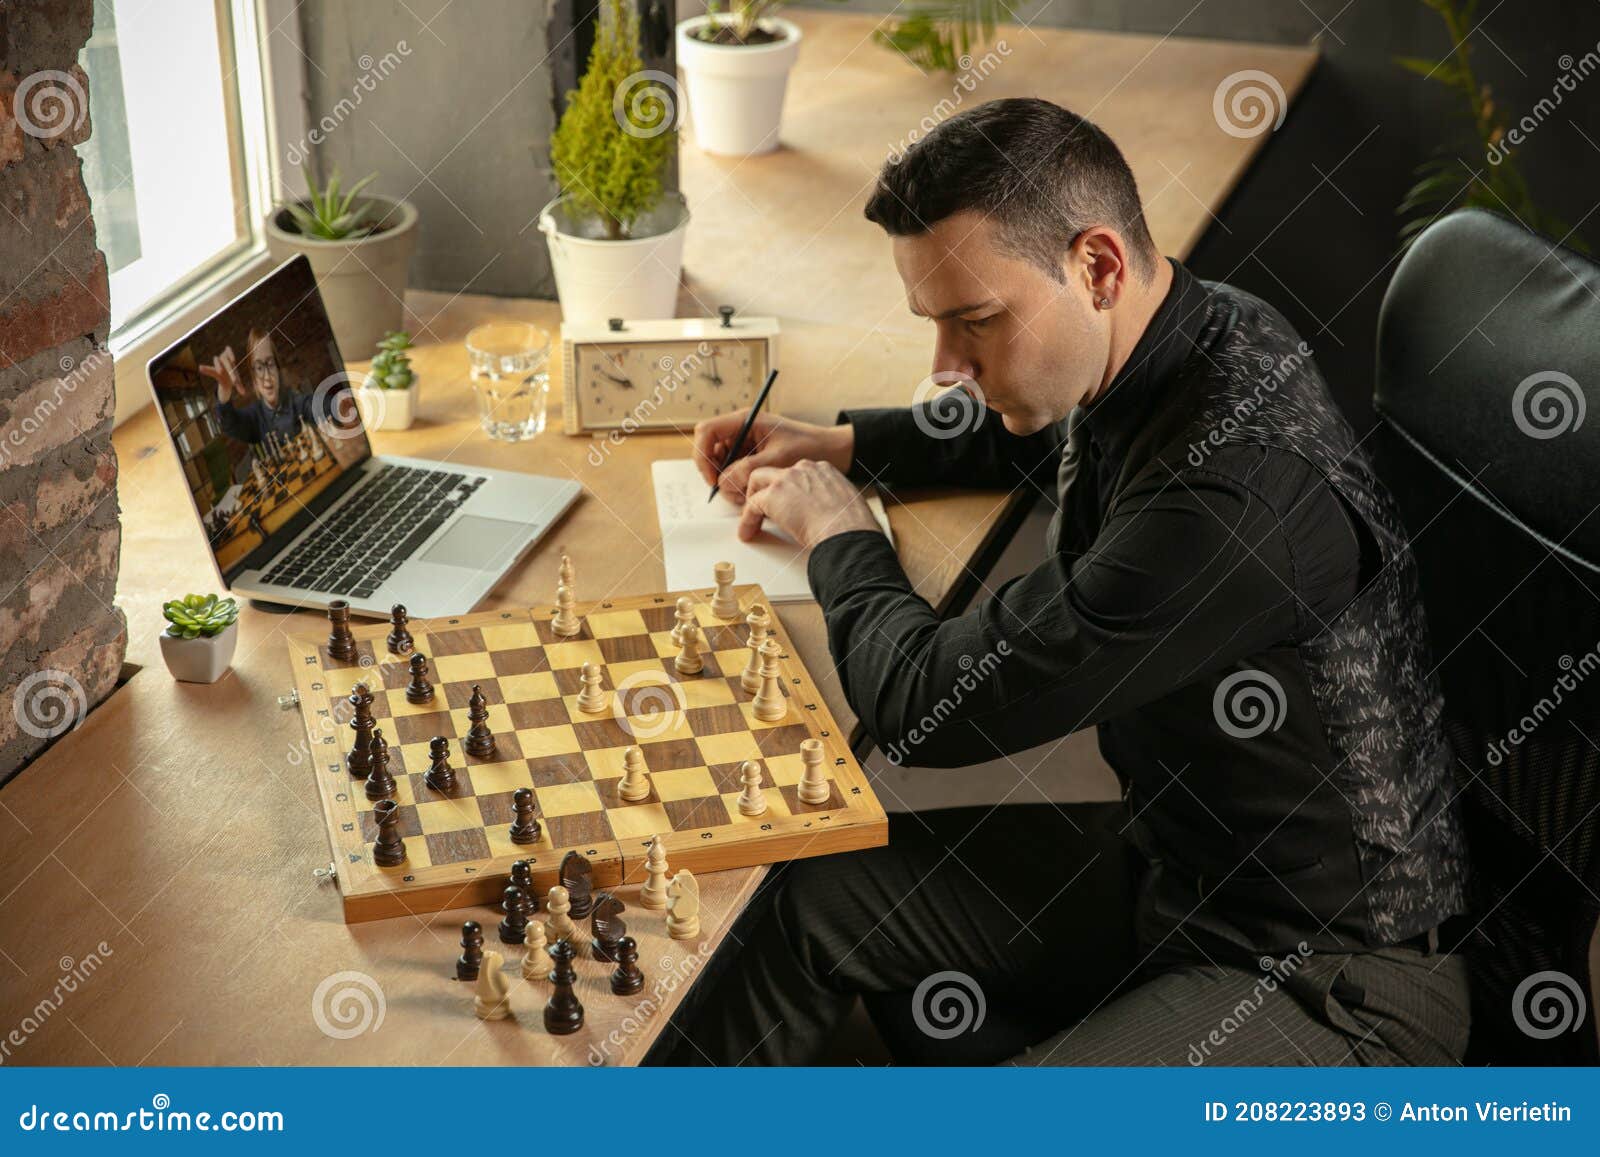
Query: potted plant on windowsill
[736,64]
[389,394]
[615,236]
[200,636]
[359,246]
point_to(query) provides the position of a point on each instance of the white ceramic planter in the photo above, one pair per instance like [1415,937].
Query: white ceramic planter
[202,660]
[736,92]
[597,278]
[362,281]
[387,409]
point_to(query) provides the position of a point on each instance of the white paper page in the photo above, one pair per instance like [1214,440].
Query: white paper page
[696,535]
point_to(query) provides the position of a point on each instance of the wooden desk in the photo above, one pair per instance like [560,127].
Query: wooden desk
[179,825]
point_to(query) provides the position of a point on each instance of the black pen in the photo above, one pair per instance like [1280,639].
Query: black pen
[744,431]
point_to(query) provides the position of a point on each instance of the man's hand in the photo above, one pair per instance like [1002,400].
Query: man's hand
[811,500]
[772,441]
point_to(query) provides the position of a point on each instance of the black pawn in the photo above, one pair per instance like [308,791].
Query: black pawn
[471,958]
[627,979]
[522,877]
[359,761]
[577,877]
[563,1014]
[390,850]
[524,827]
[419,690]
[514,928]
[341,643]
[606,927]
[479,742]
[380,783]
[441,776]
[400,640]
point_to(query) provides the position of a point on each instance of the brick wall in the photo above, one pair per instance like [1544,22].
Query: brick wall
[61,638]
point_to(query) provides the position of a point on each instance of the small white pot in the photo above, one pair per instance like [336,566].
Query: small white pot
[387,409]
[201,660]
[598,278]
[736,91]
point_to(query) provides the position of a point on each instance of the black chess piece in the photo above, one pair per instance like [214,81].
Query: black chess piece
[359,761]
[441,776]
[627,979]
[514,928]
[400,640]
[341,643]
[606,927]
[471,958]
[563,1014]
[522,877]
[419,690]
[480,742]
[380,783]
[524,825]
[577,877]
[390,850]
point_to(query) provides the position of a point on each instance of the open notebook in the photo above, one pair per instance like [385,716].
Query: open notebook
[696,535]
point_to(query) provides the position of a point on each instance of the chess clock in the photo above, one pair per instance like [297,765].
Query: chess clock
[664,375]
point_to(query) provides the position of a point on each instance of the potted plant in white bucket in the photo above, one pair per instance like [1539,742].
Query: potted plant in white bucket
[615,237]
[200,636]
[389,394]
[360,250]
[737,67]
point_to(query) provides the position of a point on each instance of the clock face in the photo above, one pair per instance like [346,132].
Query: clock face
[667,383]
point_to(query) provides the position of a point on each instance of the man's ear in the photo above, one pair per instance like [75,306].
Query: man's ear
[1103,257]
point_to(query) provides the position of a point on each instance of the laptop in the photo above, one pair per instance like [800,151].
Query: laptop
[296,508]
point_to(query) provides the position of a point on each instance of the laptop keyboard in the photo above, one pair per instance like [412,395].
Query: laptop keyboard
[379,526]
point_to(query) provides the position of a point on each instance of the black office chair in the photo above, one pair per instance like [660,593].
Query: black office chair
[1488,383]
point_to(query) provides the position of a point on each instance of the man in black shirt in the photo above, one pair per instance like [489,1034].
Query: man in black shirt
[1228,595]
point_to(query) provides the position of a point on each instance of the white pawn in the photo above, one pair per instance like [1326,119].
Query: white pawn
[535,964]
[757,621]
[683,906]
[594,698]
[685,618]
[566,622]
[558,903]
[491,1001]
[689,661]
[751,801]
[564,571]
[768,705]
[813,779]
[724,604]
[635,785]
[654,893]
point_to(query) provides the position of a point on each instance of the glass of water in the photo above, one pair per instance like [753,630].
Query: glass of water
[511,378]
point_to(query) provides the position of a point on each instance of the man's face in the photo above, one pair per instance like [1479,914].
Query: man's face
[264,372]
[1035,345]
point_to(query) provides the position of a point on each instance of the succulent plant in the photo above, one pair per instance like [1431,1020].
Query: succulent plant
[391,368]
[199,616]
[327,215]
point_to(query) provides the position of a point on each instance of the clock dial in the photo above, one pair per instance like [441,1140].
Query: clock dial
[667,383]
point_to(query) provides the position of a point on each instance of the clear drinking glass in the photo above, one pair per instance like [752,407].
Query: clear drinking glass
[511,378]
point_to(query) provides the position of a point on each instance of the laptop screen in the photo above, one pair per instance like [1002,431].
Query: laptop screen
[259,408]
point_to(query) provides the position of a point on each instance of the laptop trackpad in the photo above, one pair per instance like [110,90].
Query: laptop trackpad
[478,543]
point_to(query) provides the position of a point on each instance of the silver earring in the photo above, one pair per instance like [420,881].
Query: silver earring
[1104,303]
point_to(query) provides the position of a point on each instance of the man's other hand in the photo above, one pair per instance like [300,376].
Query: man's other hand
[772,441]
[811,500]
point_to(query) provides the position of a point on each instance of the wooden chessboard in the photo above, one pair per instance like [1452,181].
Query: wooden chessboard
[694,730]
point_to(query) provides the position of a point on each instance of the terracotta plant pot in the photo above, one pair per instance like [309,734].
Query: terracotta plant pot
[202,660]
[736,91]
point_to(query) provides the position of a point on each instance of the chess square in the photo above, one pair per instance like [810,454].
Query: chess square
[599,731]
[786,768]
[553,769]
[529,713]
[639,821]
[541,741]
[506,745]
[782,738]
[510,637]
[496,808]
[463,641]
[726,777]
[706,692]
[569,681]
[627,648]
[565,799]
[610,789]
[777,808]
[710,669]
[791,798]
[458,695]
[547,631]
[410,825]
[534,685]
[731,747]
[501,845]
[687,815]
[474,668]
[449,815]
[423,725]
[519,661]
[616,624]
[708,721]
[660,618]
[421,791]
[650,669]
[586,830]
[500,778]
[683,783]
[728,637]
[457,847]
[665,754]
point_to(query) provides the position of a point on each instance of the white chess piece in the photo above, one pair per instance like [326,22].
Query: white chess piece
[683,906]
[566,622]
[768,704]
[751,801]
[564,571]
[536,963]
[593,699]
[654,893]
[813,779]
[491,1001]
[684,617]
[558,904]
[635,785]
[757,621]
[724,604]
[689,661]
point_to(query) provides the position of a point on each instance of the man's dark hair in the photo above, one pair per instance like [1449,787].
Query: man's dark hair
[1042,174]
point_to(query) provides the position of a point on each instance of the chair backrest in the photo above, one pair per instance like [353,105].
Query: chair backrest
[1488,384]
